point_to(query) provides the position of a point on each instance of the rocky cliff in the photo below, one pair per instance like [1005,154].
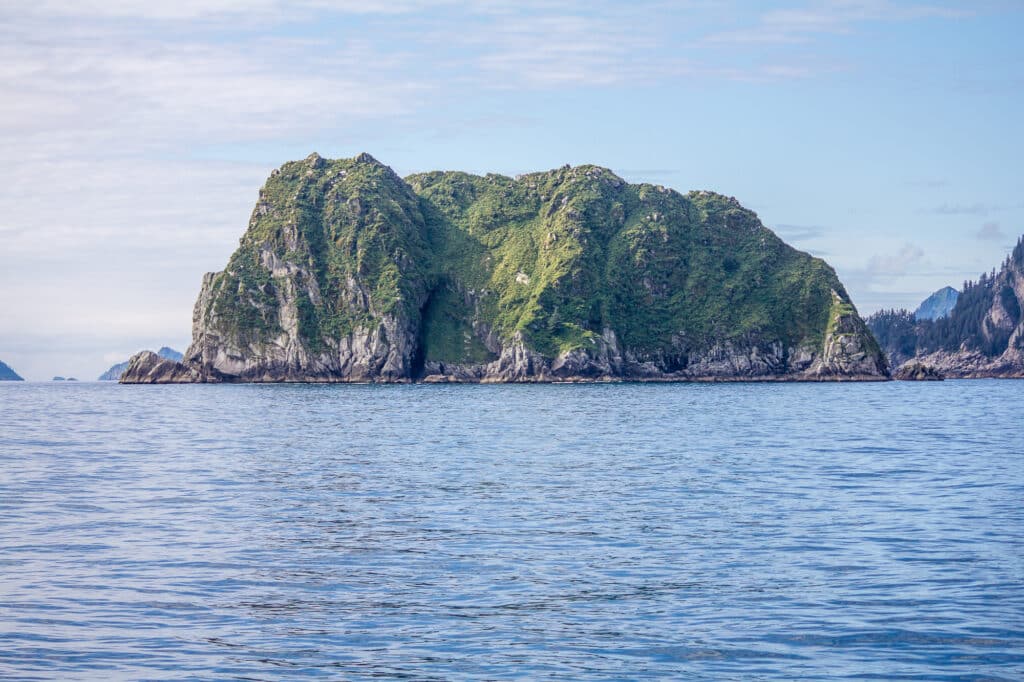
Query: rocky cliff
[983,335]
[347,272]
[115,371]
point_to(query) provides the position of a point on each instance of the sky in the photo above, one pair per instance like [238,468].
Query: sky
[881,135]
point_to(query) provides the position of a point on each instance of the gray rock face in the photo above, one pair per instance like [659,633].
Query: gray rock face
[386,353]
[381,353]
[115,371]
[917,371]
[971,364]
[849,349]
[849,354]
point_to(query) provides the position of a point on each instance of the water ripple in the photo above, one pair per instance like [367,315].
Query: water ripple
[461,532]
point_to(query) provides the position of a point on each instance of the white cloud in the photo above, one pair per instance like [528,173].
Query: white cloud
[991,231]
[184,10]
[895,264]
[788,26]
[128,95]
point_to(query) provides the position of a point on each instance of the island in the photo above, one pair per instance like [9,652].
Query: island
[115,371]
[350,273]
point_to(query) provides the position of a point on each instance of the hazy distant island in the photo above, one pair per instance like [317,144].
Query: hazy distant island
[981,336]
[8,374]
[349,273]
[115,372]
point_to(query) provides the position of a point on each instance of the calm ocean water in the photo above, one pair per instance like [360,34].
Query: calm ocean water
[738,531]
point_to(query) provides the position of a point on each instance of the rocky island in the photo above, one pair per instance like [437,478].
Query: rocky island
[981,337]
[115,371]
[916,371]
[350,273]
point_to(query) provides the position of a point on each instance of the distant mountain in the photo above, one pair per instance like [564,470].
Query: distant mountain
[8,374]
[983,335]
[939,304]
[170,354]
[115,372]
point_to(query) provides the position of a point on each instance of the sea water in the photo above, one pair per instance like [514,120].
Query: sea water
[620,531]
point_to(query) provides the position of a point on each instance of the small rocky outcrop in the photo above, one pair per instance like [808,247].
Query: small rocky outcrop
[917,371]
[115,371]
[149,368]
[349,273]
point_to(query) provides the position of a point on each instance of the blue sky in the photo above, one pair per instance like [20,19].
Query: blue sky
[883,136]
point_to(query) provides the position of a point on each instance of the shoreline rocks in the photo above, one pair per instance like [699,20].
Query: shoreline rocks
[917,371]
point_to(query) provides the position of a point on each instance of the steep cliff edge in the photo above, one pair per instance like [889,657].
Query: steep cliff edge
[983,335]
[115,371]
[350,273]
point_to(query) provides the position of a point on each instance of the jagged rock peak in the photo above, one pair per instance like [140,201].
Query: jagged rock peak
[363,157]
[314,160]
[149,368]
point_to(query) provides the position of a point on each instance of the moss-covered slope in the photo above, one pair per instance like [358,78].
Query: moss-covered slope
[349,273]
